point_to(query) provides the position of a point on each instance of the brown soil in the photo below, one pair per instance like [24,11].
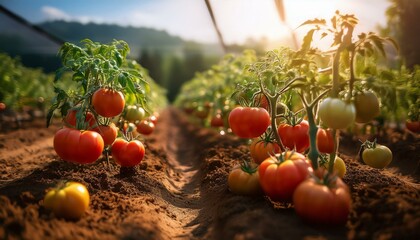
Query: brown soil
[180,191]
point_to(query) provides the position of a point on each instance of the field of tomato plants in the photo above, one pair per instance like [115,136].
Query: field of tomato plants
[305,144]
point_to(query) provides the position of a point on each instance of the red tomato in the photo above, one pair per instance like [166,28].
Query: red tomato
[108,102]
[325,140]
[217,121]
[145,127]
[320,204]
[127,154]
[295,137]
[108,132]
[78,146]
[279,179]
[261,150]
[2,106]
[262,101]
[71,119]
[413,126]
[249,122]
[153,119]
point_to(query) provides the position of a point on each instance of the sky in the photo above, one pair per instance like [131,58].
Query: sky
[189,19]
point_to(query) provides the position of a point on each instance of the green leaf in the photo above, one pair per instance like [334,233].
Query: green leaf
[118,58]
[59,73]
[307,40]
[78,77]
[313,22]
[122,79]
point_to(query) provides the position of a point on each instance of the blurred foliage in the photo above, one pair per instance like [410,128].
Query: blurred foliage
[402,24]
[21,86]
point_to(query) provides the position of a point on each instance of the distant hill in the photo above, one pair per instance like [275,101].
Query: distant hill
[138,38]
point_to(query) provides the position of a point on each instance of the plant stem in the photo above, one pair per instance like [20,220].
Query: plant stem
[334,153]
[313,130]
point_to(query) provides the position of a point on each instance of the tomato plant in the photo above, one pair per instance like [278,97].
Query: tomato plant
[324,140]
[375,155]
[295,137]
[321,202]
[127,153]
[145,127]
[243,179]
[69,200]
[263,148]
[102,81]
[78,146]
[280,175]
[249,122]
[108,102]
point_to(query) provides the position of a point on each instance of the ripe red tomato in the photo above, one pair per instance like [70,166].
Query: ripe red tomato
[78,146]
[336,113]
[262,101]
[244,180]
[108,102]
[295,137]
[127,154]
[108,132]
[261,150]
[279,179]
[153,119]
[145,127]
[249,122]
[367,106]
[71,119]
[2,106]
[320,204]
[325,140]
[413,126]
[217,121]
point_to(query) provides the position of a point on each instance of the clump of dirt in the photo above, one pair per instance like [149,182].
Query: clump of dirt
[180,191]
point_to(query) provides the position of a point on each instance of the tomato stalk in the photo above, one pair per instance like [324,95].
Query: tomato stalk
[313,154]
[272,102]
[336,88]
[248,168]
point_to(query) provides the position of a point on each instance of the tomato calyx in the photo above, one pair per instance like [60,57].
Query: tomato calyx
[267,137]
[369,145]
[292,118]
[324,177]
[282,157]
[248,167]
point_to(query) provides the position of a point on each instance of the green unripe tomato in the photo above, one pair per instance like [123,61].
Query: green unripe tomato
[336,113]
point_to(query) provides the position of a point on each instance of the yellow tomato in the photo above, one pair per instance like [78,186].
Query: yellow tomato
[339,166]
[69,201]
